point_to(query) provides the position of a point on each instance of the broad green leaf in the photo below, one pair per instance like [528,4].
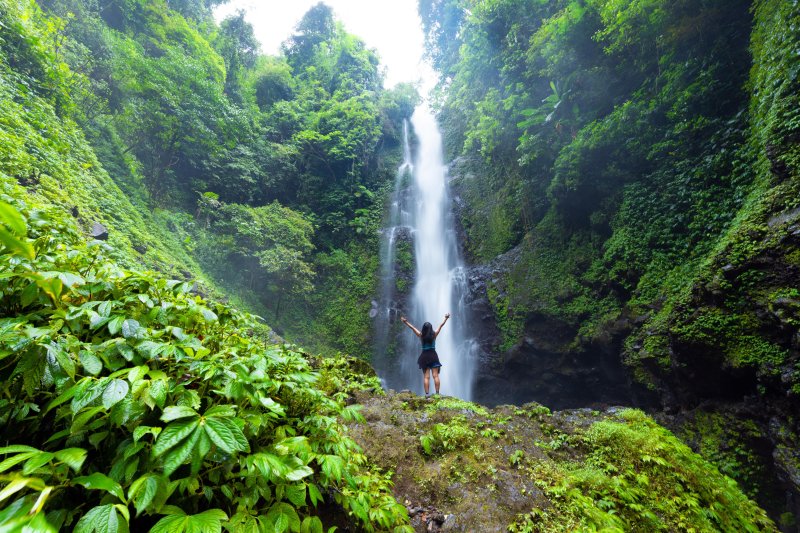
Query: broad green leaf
[296,494]
[174,412]
[131,329]
[36,462]
[115,324]
[311,524]
[70,280]
[221,411]
[158,391]
[173,434]
[170,524]
[201,449]
[40,523]
[208,314]
[16,459]
[299,473]
[17,448]
[126,351]
[141,431]
[243,523]
[97,321]
[283,517]
[17,246]
[90,362]
[13,219]
[104,309]
[223,433]
[63,357]
[143,491]
[29,295]
[272,406]
[51,287]
[208,521]
[102,519]
[99,481]
[136,373]
[314,494]
[96,438]
[114,392]
[180,453]
[72,457]
[83,418]
[18,483]
[87,391]
[205,522]
[150,349]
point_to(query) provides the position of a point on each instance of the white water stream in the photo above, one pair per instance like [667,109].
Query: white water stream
[439,283]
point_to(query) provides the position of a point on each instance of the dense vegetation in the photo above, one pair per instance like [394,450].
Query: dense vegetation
[641,160]
[263,174]
[130,402]
[620,147]
[129,392]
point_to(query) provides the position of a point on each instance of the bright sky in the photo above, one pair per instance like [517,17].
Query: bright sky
[392,27]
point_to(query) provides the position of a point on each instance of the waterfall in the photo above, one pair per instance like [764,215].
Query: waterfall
[422,213]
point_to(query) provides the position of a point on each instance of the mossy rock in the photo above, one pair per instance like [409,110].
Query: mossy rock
[527,469]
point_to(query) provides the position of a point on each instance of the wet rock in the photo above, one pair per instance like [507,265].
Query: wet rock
[98,232]
[449,523]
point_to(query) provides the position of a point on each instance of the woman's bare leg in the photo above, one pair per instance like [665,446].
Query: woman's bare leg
[426,380]
[435,380]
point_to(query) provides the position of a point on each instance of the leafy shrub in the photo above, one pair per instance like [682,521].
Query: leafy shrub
[455,435]
[128,402]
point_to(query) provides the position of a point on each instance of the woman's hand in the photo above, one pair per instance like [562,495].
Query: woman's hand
[446,316]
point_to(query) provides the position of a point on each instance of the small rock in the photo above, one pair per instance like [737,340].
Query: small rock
[99,232]
[449,523]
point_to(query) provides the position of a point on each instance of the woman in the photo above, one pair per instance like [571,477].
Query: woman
[428,360]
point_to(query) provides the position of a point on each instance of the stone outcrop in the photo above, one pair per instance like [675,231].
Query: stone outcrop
[458,466]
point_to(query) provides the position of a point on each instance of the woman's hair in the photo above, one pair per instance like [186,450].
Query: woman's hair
[427,333]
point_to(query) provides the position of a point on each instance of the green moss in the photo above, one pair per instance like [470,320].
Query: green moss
[455,404]
[737,447]
[638,477]
[508,322]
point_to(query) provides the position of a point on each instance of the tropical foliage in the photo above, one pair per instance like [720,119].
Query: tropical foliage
[180,111]
[137,404]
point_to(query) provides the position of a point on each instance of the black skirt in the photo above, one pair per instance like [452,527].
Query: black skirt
[428,359]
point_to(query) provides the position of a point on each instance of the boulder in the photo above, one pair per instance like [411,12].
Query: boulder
[99,232]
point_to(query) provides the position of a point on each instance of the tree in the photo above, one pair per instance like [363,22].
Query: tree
[238,46]
[312,33]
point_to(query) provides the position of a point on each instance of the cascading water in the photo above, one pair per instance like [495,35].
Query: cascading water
[422,213]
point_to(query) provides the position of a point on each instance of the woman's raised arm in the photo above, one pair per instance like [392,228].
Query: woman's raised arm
[407,323]
[446,316]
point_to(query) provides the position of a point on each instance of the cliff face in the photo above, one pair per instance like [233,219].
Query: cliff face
[675,287]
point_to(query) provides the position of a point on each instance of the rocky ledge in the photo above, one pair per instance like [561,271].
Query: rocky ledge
[459,466]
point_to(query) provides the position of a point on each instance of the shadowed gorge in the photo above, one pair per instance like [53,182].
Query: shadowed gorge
[206,249]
